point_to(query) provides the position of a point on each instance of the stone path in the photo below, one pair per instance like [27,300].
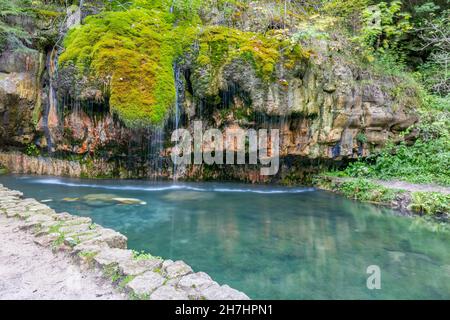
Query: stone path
[413,187]
[402,185]
[29,271]
[49,255]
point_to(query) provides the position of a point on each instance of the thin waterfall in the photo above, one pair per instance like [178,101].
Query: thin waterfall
[179,97]
[155,151]
[50,120]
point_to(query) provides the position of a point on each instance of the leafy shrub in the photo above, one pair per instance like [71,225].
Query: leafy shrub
[350,11]
[430,202]
[32,150]
[426,161]
[434,34]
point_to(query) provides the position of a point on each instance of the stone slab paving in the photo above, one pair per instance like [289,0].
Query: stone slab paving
[93,247]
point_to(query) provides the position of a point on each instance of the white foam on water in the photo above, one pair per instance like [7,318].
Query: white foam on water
[170,187]
[263,191]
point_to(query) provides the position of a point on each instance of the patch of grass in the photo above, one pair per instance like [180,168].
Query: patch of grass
[125,281]
[55,228]
[135,296]
[157,270]
[361,138]
[112,272]
[59,241]
[364,190]
[88,256]
[143,256]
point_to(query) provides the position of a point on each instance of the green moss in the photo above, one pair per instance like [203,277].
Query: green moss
[143,256]
[88,256]
[219,45]
[55,228]
[47,14]
[125,281]
[157,270]
[112,272]
[3,170]
[59,241]
[135,296]
[133,53]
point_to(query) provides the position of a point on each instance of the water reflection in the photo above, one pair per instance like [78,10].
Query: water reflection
[297,244]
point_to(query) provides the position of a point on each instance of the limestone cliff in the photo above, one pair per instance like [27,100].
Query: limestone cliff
[328,105]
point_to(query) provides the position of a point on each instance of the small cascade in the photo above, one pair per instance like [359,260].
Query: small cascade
[155,151]
[179,94]
[50,119]
[54,106]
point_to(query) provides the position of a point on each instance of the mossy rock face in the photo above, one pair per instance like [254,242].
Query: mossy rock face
[132,53]
[229,54]
[229,71]
[220,45]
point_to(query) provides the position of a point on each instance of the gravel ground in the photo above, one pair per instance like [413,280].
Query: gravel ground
[29,271]
[412,187]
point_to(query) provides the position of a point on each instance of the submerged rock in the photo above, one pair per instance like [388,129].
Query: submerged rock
[99,197]
[103,199]
[188,196]
[70,199]
[129,201]
[396,256]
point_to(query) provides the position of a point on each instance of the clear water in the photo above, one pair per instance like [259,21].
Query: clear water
[270,242]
